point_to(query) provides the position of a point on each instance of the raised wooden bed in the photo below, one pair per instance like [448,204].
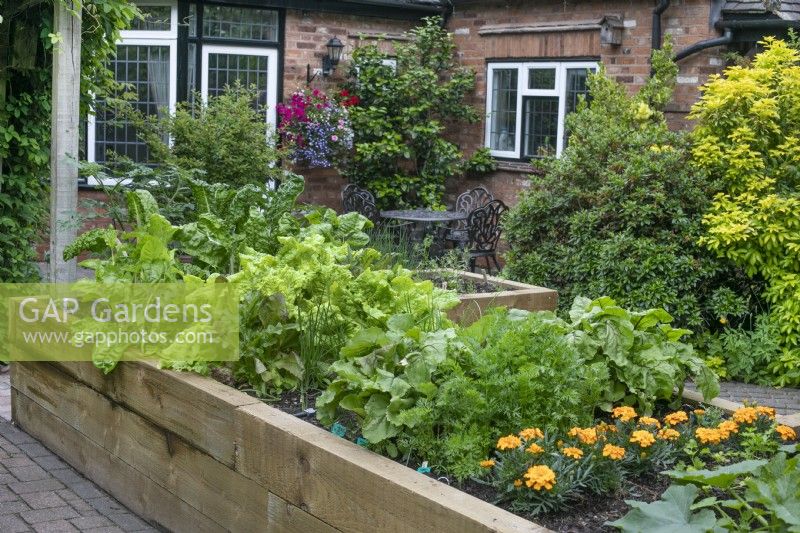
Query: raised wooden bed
[191,454]
[514,295]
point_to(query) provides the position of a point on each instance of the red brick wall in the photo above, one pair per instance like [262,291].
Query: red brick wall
[686,20]
[307,33]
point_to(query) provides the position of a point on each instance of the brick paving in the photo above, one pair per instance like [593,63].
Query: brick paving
[41,493]
[786,401]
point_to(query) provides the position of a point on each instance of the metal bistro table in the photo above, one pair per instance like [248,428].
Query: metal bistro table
[424,220]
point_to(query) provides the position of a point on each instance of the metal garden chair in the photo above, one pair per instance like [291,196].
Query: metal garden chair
[483,230]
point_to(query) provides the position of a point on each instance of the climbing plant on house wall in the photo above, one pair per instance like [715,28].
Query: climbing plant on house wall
[26,45]
[406,103]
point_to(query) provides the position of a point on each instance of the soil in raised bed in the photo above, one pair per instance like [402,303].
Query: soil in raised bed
[465,286]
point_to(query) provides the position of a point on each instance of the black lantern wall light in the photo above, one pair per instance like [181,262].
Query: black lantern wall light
[329,61]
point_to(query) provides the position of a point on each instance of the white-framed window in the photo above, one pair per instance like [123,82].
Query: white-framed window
[226,43]
[223,65]
[147,62]
[526,103]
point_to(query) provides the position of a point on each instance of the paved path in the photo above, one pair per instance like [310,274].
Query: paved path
[786,401]
[40,492]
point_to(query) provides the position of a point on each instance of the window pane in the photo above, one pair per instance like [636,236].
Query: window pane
[145,71]
[240,23]
[576,86]
[226,69]
[156,18]
[504,110]
[190,68]
[540,121]
[542,78]
[191,20]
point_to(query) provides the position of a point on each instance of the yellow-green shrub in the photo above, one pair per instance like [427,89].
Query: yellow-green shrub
[748,135]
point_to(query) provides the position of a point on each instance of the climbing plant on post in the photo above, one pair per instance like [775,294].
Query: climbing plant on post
[27,40]
[64,142]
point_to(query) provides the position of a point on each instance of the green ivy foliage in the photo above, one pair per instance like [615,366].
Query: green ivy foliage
[400,152]
[747,137]
[27,40]
[619,213]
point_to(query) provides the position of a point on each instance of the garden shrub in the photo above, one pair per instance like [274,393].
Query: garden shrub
[619,213]
[224,136]
[743,353]
[403,112]
[747,138]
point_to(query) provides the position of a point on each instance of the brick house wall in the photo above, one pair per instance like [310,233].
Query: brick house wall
[629,63]
[688,21]
[307,32]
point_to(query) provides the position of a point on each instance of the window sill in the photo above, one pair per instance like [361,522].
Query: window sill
[517,166]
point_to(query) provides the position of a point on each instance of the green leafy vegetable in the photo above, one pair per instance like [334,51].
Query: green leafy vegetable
[670,514]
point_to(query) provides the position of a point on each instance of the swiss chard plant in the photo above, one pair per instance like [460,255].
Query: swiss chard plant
[385,376]
[229,220]
[644,354]
[142,255]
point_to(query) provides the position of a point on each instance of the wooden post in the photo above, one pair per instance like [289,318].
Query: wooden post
[64,144]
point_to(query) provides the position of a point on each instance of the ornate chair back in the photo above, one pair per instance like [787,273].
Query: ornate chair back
[483,225]
[356,199]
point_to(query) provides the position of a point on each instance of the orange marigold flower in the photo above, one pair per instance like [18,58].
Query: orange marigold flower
[487,463]
[649,421]
[673,419]
[727,428]
[642,438]
[624,413]
[531,433]
[613,452]
[572,452]
[585,435]
[769,412]
[518,483]
[668,434]
[509,442]
[786,433]
[534,448]
[540,477]
[708,435]
[699,412]
[745,415]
